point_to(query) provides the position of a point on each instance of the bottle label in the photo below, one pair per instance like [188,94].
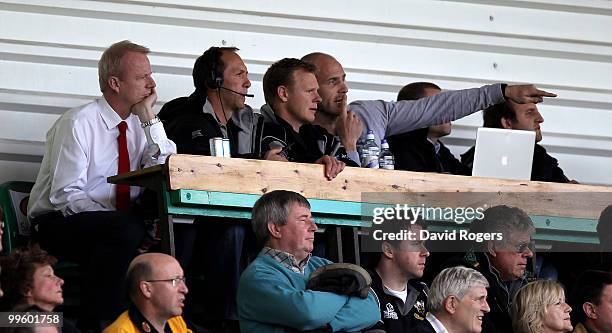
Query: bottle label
[372,162]
[387,162]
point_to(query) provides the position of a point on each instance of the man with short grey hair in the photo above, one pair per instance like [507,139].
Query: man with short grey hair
[457,302]
[272,294]
[81,217]
[503,262]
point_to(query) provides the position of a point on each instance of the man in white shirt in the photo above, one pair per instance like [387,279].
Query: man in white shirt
[457,302]
[78,215]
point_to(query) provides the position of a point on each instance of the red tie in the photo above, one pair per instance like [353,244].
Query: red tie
[123,191]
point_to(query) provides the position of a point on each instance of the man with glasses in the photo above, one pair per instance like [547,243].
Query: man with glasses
[503,262]
[156,287]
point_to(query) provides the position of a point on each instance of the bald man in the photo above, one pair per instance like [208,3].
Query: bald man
[157,289]
[389,118]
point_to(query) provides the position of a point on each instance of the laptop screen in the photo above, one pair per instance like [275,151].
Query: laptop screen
[503,153]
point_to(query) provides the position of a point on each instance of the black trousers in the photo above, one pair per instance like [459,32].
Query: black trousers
[219,249]
[102,243]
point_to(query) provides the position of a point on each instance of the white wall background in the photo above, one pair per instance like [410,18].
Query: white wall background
[49,51]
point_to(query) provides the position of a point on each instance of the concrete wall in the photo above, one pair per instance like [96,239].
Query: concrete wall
[49,51]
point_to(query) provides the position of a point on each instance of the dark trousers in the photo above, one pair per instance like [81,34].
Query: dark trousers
[219,249]
[102,243]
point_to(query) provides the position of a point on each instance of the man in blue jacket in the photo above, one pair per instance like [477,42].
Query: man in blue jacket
[272,294]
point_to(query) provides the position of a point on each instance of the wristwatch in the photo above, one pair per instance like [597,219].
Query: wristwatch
[151,122]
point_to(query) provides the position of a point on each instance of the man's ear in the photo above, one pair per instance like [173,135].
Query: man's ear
[506,123]
[450,304]
[274,230]
[28,293]
[491,249]
[387,250]
[145,289]
[590,310]
[113,83]
[283,93]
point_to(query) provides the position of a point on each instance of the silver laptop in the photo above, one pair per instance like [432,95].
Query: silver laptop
[503,153]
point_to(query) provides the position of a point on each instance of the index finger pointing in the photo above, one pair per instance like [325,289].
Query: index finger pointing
[546,94]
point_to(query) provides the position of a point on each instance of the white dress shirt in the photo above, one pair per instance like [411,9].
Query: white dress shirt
[435,323]
[81,151]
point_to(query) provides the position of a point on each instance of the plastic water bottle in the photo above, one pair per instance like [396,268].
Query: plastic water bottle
[386,159]
[369,156]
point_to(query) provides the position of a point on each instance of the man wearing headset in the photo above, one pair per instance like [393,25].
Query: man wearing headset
[215,109]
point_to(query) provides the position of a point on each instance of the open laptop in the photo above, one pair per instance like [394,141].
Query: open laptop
[503,153]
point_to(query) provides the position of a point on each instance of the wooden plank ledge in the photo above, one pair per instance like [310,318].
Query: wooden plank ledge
[258,177]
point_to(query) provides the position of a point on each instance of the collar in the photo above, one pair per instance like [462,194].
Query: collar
[236,118]
[435,323]
[109,116]
[286,259]
[269,115]
[142,324]
[436,145]
[208,109]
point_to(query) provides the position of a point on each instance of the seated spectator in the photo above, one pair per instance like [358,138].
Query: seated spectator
[290,90]
[1,228]
[78,215]
[29,280]
[604,232]
[525,117]
[217,107]
[591,299]
[217,247]
[390,118]
[272,295]
[502,262]
[539,307]
[457,302]
[421,150]
[1,233]
[157,289]
[402,297]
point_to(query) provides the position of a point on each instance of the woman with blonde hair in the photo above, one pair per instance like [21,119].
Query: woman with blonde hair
[539,307]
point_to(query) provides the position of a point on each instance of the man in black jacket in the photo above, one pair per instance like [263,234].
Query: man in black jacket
[421,150]
[510,115]
[215,109]
[395,279]
[502,262]
[290,89]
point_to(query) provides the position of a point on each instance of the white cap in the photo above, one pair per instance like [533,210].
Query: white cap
[384,144]
[370,135]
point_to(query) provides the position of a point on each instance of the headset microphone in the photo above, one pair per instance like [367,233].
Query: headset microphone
[235,92]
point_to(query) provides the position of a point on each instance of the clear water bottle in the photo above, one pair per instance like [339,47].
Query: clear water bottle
[386,159]
[370,152]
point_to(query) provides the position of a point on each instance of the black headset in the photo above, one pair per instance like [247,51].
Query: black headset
[215,78]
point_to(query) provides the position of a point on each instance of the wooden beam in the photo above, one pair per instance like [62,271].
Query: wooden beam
[415,188]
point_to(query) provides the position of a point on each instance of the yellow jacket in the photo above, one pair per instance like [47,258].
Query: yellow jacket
[123,324]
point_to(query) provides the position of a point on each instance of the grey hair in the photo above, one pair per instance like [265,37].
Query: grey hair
[273,207]
[505,220]
[110,62]
[455,281]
